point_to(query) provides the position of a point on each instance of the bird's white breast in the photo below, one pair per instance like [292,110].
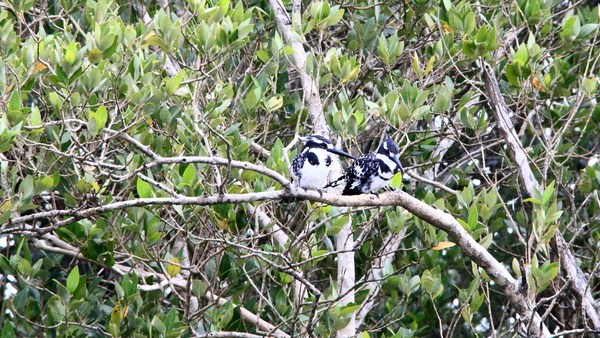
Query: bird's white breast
[314,177]
[382,178]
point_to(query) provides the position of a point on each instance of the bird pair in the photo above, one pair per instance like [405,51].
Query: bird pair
[367,174]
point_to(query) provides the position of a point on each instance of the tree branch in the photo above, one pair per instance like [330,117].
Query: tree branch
[435,217]
[573,273]
[311,89]
[229,335]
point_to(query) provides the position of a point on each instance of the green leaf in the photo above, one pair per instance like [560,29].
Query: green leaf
[571,27]
[173,269]
[349,309]
[6,266]
[159,325]
[469,22]
[516,268]
[253,97]
[455,20]
[62,292]
[173,84]
[94,56]
[533,200]
[587,29]
[428,282]
[199,288]
[189,175]
[24,267]
[589,85]
[442,101]
[275,102]
[5,211]
[482,36]
[396,180]
[335,16]
[143,189]
[429,198]
[352,125]
[94,124]
[73,279]
[102,116]
[318,253]
[548,193]
[486,241]
[108,52]
[341,221]
[83,186]
[473,216]
[464,224]
[15,101]
[522,55]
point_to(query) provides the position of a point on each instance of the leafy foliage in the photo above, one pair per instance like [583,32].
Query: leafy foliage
[100,99]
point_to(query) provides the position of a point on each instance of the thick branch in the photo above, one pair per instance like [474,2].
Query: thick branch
[501,111]
[229,334]
[573,273]
[435,217]
[311,90]
[346,274]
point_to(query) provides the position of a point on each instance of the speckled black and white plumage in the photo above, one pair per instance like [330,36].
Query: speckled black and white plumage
[313,164]
[371,172]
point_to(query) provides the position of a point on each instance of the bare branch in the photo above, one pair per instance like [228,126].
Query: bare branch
[229,335]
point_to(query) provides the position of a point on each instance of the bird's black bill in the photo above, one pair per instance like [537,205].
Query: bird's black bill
[341,153]
[398,163]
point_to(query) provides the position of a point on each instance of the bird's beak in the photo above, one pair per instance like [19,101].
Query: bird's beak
[397,161]
[341,153]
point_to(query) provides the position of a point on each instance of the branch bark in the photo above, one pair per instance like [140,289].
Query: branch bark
[573,273]
[346,275]
[345,243]
[435,217]
[309,85]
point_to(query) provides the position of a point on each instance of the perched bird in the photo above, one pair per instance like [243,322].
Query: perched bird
[313,164]
[373,171]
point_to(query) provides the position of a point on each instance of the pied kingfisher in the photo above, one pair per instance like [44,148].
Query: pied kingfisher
[373,171]
[313,164]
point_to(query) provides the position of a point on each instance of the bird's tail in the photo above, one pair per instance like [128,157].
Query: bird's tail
[336,182]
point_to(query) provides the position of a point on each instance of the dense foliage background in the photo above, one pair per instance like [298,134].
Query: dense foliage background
[99,101]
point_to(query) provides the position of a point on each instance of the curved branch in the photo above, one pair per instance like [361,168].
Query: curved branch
[441,220]
[568,263]
[159,160]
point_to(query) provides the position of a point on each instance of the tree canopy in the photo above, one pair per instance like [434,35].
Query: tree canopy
[145,153]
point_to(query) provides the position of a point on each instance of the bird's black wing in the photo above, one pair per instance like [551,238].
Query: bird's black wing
[359,174]
[298,163]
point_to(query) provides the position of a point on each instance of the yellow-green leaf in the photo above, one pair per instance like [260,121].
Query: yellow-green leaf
[173,270]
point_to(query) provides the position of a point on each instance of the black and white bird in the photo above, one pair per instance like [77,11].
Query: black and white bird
[373,171]
[313,164]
